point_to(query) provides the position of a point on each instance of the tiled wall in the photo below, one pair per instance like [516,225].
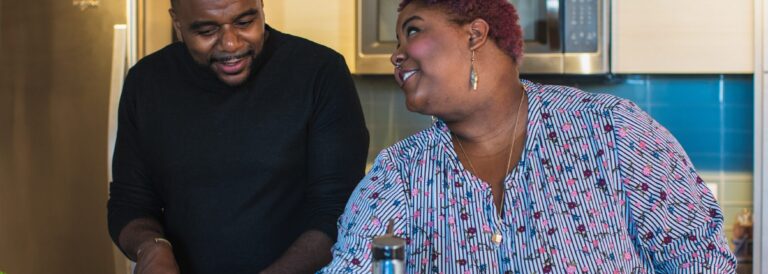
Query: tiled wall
[711,116]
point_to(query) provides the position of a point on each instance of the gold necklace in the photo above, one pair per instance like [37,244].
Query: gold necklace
[497,237]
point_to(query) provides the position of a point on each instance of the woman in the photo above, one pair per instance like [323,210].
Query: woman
[517,177]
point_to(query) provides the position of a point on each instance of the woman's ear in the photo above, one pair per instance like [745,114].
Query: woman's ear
[478,33]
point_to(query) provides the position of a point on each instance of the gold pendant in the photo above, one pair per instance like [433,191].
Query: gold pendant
[496,238]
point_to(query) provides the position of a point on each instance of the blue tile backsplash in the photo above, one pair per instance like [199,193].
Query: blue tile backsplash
[711,115]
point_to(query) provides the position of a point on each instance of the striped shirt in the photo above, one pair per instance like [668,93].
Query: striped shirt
[601,187]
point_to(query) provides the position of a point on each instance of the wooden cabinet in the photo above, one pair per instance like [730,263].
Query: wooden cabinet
[682,36]
[328,22]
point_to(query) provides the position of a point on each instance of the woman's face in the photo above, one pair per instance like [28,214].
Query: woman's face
[432,60]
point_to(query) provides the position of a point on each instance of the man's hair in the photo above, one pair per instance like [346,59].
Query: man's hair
[500,14]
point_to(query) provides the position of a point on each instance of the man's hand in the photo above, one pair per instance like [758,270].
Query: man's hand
[155,258]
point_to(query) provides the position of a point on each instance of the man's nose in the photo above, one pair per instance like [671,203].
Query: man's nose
[230,40]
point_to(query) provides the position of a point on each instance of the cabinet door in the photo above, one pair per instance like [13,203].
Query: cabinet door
[327,22]
[682,36]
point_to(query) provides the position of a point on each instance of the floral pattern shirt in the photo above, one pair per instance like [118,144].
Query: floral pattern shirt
[601,188]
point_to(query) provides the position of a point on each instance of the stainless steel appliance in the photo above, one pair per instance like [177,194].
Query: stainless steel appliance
[561,36]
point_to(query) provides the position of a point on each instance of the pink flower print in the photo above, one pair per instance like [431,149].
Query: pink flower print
[486,229]
[571,182]
[451,221]
[574,193]
[647,171]
[430,224]
[424,261]
[622,132]
[474,248]
[544,222]
[542,250]
[355,208]
[551,179]
[416,214]
[685,265]
[599,261]
[570,269]
[627,256]
[375,221]
[567,127]
[566,146]
[415,192]
[568,241]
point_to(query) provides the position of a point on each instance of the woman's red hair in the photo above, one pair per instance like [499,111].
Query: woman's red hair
[500,15]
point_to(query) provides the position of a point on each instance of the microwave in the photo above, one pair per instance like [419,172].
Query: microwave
[561,36]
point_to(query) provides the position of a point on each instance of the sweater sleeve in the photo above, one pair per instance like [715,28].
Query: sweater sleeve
[337,148]
[674,219]
[131,193]
[380,197]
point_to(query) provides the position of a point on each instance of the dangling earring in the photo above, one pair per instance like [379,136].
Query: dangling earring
[473,79]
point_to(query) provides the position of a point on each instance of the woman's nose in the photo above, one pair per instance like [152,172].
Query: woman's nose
[397,59]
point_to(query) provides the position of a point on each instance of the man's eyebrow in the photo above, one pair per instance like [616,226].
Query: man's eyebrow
[247,13]
[199,24]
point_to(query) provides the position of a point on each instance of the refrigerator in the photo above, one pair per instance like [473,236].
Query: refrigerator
[62,68]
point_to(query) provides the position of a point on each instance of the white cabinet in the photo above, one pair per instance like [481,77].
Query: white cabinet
[682,36]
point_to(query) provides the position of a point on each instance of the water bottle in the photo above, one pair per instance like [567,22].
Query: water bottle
[388,253]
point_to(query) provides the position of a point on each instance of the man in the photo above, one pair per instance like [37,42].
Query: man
[237,148]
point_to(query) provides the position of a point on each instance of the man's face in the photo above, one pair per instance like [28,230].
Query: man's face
[225,35]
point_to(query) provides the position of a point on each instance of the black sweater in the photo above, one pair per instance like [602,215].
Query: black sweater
[235,174]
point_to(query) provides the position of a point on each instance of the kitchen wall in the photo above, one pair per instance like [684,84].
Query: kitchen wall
[710,115]
[54,85]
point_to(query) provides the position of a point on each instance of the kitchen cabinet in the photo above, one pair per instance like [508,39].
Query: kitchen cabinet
[682,36]
[328,22]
